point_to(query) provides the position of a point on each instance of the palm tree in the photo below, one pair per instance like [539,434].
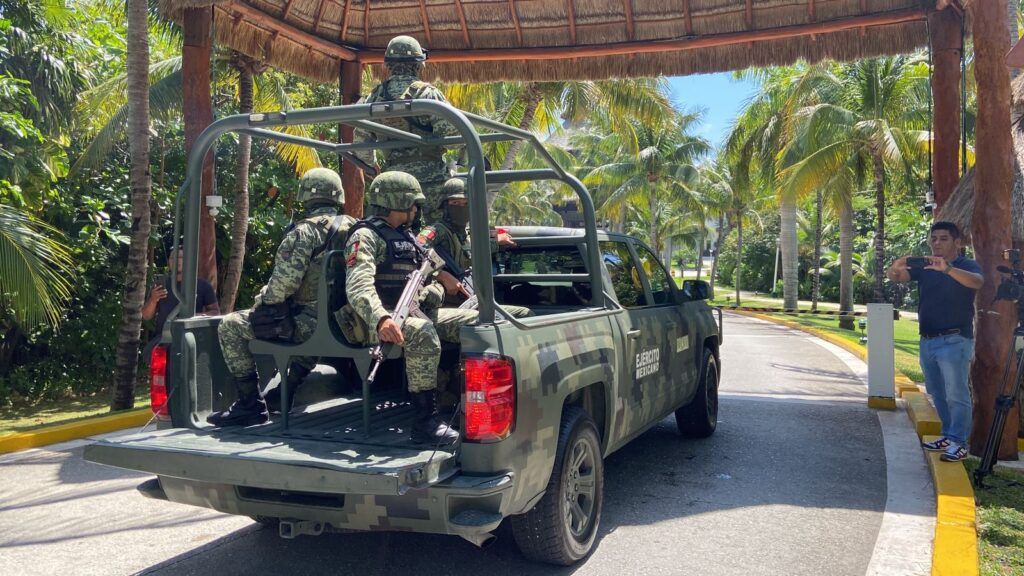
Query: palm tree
[655,167]
[524,204]
[138,141]
[743,204]
[542,107]
[247,68]
[866,109]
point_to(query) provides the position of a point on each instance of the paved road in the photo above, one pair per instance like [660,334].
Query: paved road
[793,482]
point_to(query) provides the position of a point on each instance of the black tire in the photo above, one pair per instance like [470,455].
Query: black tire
[699,418]
[551,532]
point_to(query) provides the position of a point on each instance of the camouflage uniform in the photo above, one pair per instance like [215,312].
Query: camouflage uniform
[296,276]
[366,253]
[404,59]
[447,234]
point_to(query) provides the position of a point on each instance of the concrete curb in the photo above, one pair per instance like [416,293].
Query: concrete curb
[955,547]
[74,430]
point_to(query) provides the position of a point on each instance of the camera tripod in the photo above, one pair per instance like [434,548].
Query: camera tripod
[1004,402]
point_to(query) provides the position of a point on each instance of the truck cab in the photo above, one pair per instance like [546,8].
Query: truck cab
[612,348]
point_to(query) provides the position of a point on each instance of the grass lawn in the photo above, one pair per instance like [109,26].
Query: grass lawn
[23,418]
[1000,522]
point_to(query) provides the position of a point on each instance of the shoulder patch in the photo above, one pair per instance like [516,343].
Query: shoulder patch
[426,235]
[350,254]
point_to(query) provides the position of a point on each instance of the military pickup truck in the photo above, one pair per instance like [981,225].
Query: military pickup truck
[613,347]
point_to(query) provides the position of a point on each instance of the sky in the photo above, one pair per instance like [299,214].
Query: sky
[719,95]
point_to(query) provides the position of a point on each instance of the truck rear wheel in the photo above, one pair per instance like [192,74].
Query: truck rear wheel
[562,527]
[699,418]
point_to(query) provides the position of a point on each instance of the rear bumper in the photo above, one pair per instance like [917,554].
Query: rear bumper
[462,505]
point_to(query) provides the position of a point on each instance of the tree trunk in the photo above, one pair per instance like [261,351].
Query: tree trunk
[127,354]
[846,261]
[991,218]
[700,255]
[816,286]
[946,45]
[879,173]
[722,233]
[197,110]
[737,275]
[351,176]
[240,213]
[787,213]
[532,96]
[652,225]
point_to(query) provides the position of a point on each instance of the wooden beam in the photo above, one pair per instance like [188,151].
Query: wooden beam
[688,13]
[570,11]
[515,21]
[366,23]
[811,16]
[750,14]
[627,6]
[351,79]
[197,110]
[656,46]
[344,20]
[319,15]
[287,9]
[426,23]
[301,37]
[462,22]
[944,32]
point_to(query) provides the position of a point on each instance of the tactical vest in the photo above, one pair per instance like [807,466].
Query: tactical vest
[401,260]
[419,125]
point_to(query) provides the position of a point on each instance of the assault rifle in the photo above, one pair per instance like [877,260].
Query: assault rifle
[407,305]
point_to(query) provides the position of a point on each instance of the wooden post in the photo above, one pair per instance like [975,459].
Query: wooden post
[351,176]
[944,28]
[197,108]
[991,219]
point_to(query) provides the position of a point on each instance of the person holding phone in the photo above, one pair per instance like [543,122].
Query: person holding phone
[947,282]
[161,300]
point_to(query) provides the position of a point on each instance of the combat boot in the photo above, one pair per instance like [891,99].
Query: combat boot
[427,427]
[249,409]
[296,376]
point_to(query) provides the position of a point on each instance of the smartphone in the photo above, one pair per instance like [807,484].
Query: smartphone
[917,262]
[160,280]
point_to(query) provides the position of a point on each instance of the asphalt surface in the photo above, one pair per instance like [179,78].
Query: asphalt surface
[792,483]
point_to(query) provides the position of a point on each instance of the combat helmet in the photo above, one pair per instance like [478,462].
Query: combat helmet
[453,188]
[404,49]
[320,184]
[395,191]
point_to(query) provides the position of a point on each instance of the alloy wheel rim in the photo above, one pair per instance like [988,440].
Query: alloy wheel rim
[580,488]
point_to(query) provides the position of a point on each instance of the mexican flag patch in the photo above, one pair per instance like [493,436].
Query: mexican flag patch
[350,254]
[426,236]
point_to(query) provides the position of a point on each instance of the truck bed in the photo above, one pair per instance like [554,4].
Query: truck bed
[324,450]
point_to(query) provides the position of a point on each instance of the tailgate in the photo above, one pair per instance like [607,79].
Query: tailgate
[276,463]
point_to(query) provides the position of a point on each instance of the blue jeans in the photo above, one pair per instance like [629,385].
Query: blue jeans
[946,363]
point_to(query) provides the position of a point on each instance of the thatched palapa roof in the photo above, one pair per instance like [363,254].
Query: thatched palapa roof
[491,40]
[960,207]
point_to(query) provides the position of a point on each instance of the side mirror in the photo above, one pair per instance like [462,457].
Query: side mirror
[696,290]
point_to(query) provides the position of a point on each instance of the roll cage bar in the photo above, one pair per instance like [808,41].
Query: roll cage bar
[361,116]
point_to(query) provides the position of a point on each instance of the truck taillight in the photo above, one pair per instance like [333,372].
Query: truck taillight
[158,382]
[490,401]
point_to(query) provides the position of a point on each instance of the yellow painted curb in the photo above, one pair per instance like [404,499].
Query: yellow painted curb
[955,549]
[1020,444]
[881,403]
[922,414]
[74,430]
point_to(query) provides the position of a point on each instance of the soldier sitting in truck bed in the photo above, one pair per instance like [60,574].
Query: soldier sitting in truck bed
[286,307]
[379,256]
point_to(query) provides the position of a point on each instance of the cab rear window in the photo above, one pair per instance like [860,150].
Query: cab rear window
[539,292]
